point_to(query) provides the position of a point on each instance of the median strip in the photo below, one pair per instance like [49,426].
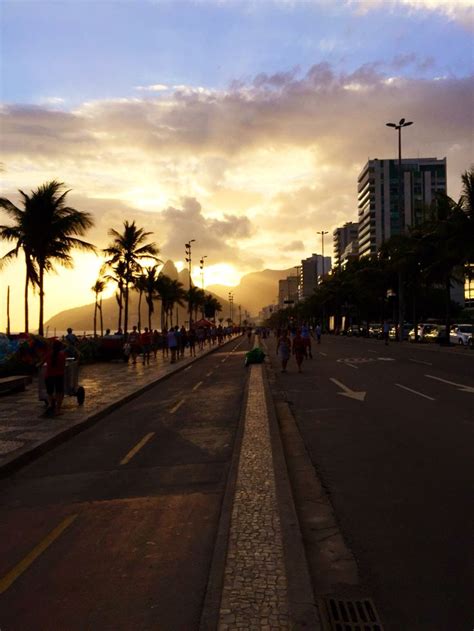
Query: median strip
[9,578]
[137,448]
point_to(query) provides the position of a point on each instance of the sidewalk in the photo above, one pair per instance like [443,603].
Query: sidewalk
[25,433]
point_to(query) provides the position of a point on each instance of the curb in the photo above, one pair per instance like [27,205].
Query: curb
[212,599]
[16,462]
[302,606]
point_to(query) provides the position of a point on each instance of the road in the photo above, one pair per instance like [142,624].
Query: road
[115,528]
[390,430]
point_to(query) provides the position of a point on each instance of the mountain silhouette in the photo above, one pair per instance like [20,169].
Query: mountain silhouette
[255,290]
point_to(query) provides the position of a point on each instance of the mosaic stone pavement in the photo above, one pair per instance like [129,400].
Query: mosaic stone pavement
[255,590]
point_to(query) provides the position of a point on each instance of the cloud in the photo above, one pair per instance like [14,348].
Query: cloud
[294,246]
[461,11]
[245,170]
[155,87]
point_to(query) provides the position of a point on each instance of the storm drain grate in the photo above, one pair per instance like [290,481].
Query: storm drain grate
[350,615]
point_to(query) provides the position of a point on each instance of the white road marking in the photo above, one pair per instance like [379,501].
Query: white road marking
[370,351]
[323,354]
[177,406]
[208,374]
[188,368]
[198,385]
[419,361]
[352,394]
[459,386]
[351,365]
[420,394]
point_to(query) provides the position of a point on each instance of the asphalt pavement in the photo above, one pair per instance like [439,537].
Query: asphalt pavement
[390,433]
[115,528]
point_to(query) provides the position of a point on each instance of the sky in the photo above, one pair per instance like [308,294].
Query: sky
[240,124]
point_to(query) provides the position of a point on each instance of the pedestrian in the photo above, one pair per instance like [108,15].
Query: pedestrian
[156,338]
[385,331]
[54,378]
[145,341]
[249,335]
[183,340]
[283,349]
[192,342]
[318,331]
[172,344]
[71,343]
[164,335]
[134,341]
[298,349]
[306,335]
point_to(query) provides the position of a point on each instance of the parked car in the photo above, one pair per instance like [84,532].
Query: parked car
[461,334]
[436,333]
[426,332]
[375,331]
[406,331]
[353,330]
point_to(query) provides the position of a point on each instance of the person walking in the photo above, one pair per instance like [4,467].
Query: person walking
[172,344]
[306,335]
[134,341]
[283,349]
[54,378]
[145,341]
[192,342]
[385,331]
[318,331]
[299,349]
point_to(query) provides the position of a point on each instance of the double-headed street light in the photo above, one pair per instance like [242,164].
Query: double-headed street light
[401,217]
[201,267]
[187,247]
[231,305]
[322,233]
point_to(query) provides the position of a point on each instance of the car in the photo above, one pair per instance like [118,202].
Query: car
[375,331]
[461,334]
[426,332]
[392,334]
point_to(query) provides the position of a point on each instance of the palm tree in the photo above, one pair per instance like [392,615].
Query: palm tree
[139,284]
[20,232]
[195,298]
[116,276]
[150,290]
[171,293]
[53,229]
[211,306]
[130,248]
[98,287]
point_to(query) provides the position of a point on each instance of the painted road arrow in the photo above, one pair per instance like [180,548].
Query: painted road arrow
[459,386]
[352,394]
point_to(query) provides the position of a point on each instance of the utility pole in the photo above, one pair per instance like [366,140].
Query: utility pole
[231,305]
[401,215]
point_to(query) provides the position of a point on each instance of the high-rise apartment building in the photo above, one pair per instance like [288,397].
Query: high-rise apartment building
[311,269]
[342,238]
[287,290]
[382,213]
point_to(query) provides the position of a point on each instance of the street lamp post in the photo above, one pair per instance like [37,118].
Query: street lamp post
[401,215]
[189,262]
[322,233]
[231,304]
[201,267]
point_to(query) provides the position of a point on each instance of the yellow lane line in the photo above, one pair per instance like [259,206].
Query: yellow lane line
[7,580]
[137,448]
[177,406]
[198,385]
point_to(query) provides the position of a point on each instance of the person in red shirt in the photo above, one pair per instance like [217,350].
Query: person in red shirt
[54,377]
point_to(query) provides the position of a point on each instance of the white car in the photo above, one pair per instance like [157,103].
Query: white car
[462,334]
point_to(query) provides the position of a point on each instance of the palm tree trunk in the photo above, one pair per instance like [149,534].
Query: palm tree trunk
[120,305]
[27,282]
[140,311]
[150,305]
[95,317]
[101,319]
[125,315]
[41,298]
